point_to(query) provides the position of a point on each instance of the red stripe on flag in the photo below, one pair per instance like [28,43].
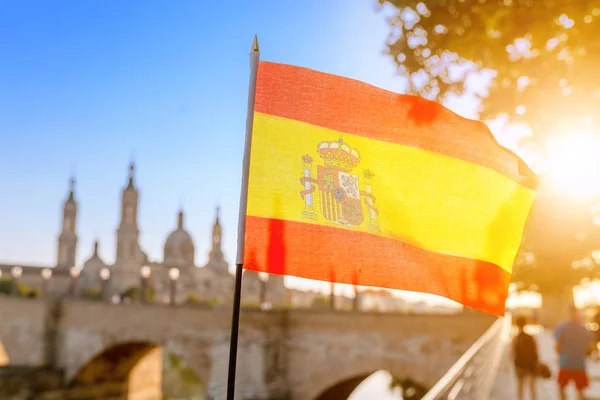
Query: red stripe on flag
[330,254]
[354,107]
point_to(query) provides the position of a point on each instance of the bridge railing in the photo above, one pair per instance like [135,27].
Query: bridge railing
[474,374]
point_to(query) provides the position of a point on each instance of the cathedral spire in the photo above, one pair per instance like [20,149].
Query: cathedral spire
[71,198]
[130,183]
[217,217]
[96,248]
[180,220]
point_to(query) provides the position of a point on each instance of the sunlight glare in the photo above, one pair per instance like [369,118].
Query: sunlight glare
[376,386]
[524,299]
[587,294]
[573,164]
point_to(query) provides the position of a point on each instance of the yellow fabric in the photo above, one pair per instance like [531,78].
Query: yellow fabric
[425,199]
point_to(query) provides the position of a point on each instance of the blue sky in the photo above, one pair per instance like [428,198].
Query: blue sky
[87,85]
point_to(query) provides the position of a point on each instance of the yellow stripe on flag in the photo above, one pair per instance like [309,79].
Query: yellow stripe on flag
[425,199]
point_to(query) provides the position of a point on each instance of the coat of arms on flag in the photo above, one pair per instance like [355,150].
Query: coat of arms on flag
[339,196]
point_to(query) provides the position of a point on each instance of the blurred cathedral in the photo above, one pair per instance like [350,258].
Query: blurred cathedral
[212,281]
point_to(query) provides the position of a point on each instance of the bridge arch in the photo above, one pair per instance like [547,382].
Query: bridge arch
[346,388]
[343,389]
[130,369]
[337,382]
[4,358]
[79,347]
[138,369]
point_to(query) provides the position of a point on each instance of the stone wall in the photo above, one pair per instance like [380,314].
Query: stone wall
[23,329]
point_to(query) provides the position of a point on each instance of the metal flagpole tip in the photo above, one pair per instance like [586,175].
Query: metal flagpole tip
[255,44]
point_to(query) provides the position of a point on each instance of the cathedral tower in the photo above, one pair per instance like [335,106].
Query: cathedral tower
[128,234]
[215,257]
[67,240]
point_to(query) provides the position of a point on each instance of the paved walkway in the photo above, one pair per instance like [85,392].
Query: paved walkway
[506,386]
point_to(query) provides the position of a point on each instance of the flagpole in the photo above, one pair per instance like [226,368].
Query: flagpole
[235,319]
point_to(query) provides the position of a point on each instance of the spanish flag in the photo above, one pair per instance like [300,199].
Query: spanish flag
[353,184]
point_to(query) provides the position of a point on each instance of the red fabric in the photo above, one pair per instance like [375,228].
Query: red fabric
[330,254]
[578,376]
[354,107]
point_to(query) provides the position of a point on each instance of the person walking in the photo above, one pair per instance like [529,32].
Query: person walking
[525,359]
[597,334]
[573,344]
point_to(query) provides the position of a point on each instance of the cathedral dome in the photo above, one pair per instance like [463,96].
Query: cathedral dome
[91,269]
[94,260]
[179,247]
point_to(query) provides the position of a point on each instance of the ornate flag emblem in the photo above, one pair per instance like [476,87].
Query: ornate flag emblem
[339,199]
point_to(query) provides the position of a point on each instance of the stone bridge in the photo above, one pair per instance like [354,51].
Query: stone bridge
[115,351]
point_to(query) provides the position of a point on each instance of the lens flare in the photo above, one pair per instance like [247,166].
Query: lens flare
[572,164]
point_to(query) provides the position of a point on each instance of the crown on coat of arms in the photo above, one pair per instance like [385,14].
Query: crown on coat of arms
[338,154]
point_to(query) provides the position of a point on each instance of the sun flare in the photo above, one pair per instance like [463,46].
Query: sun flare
[572,164]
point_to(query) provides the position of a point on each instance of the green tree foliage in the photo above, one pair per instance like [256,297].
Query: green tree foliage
[251,304]
[545,54]
[134,293]
[180,381]
[92,294]
[5,285]
[192,298]
[32,293]
[321,302]
[543,57]
[22,290]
